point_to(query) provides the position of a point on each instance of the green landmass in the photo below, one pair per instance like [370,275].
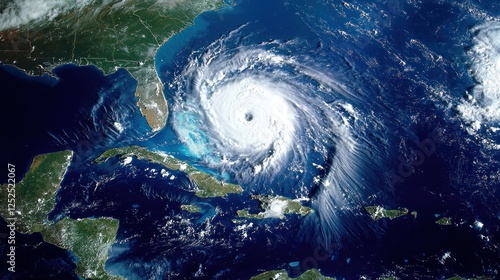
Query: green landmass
[276,207]
[109,35]
[312,274]
[444,221]
[35,194]
[414,214]
[88,239]
[208,185]
[378,212]
[191,208]
[475,278]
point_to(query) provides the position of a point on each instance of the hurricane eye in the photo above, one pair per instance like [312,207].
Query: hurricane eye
[248,117]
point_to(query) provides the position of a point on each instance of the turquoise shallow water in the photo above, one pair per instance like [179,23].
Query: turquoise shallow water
[368,102]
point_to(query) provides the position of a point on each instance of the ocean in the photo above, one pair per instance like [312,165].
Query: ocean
[339,105]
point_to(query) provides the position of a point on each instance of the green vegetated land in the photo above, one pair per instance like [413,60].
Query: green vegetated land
[191,208]
[312,274]
[88,239]
[208,185]
[444,221]
[378,212]
[276,207]
[474,278]
[107,34]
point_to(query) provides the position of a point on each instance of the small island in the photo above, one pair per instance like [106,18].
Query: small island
[378,212]
[444,221]
[283,275]
[208,185]
[276,207]
[191,208]
[475,278]
[89,239]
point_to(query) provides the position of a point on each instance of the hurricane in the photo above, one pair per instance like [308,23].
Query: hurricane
[252,139]
[269,114]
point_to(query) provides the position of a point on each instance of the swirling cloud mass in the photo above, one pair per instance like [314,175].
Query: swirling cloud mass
[259,115]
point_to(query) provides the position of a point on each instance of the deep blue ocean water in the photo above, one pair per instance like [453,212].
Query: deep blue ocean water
[392,81]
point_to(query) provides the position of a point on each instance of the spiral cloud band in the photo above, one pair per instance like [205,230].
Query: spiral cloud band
[268,118]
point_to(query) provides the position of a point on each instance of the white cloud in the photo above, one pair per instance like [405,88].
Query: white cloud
[20,12]
[483,105]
